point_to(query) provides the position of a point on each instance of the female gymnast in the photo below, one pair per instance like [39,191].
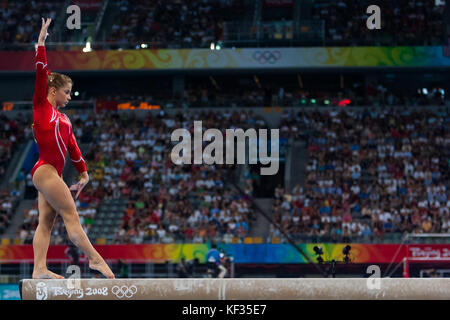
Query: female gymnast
[54,135]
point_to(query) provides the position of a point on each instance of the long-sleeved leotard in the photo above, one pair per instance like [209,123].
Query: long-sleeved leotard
[52,129]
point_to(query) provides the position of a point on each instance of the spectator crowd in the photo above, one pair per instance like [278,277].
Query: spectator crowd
[8,203]
[173,24]
[371,174]
[403,22]
[13,132]
[20,21]
[198,23]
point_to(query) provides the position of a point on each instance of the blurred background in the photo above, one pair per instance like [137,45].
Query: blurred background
[364,143]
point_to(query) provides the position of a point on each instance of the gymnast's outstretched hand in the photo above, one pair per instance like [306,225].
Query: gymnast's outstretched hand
[81,184]
[43,34]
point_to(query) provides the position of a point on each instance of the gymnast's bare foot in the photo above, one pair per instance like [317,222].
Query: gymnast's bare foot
[101,266]
[45,274]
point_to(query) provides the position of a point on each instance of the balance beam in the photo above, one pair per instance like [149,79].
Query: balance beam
[236,289]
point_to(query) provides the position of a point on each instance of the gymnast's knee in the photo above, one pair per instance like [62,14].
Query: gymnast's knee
[44,227]
[69,214]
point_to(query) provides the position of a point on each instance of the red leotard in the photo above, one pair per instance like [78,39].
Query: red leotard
[52,129]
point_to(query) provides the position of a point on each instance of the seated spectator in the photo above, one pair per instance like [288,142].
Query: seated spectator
[427,225]
[388,226]
[366,232]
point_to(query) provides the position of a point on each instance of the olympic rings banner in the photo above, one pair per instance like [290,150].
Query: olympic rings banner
[242,253]
[244,58]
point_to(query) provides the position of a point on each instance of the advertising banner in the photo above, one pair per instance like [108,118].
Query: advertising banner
[242,253]
[244,58]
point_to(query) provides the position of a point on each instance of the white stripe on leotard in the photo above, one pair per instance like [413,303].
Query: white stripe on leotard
[62,141]
[43,65]
[81,158]
[56,137]
[54,115]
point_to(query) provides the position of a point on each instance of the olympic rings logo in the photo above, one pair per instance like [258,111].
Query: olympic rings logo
[124,291]
[266,56]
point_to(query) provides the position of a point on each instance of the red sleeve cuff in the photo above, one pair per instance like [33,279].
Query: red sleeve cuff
[80,166]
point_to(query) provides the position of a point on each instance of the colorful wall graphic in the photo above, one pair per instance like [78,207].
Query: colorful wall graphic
[248,58]
[242,253]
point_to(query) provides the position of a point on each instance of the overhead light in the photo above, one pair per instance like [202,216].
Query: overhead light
[87,48]
[343,103]
[212,46]
[219,45]
[425,91]
[76,93]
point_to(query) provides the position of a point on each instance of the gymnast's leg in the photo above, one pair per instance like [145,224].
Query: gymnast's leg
[56,192]
[41,240]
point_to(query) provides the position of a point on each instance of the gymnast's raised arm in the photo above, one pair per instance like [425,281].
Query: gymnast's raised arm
[40,86]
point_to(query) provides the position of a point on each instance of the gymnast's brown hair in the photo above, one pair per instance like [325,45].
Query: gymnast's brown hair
[57,80]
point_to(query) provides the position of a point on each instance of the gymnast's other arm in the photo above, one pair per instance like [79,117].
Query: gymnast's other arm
[79,163]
